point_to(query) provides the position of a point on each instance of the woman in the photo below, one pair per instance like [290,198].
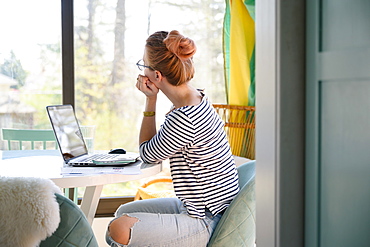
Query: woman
[192,137]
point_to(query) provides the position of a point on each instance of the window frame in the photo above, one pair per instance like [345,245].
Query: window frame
[68,78]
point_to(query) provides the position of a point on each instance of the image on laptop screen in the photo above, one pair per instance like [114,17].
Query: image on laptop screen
[67,131]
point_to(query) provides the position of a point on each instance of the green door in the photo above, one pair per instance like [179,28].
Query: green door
[338,123]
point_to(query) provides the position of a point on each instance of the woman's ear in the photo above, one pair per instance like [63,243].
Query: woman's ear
[158,75]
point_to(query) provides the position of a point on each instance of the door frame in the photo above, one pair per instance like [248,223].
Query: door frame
[280,122]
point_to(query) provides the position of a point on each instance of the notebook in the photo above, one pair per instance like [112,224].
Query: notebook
[72,145]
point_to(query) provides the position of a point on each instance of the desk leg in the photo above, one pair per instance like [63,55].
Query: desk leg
[90,201]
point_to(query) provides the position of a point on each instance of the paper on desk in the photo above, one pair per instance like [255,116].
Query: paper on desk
[132,169]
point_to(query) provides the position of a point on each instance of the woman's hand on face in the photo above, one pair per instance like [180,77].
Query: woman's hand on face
[146,86]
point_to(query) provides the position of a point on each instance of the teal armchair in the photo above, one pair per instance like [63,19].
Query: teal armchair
[237,227]
[74,230]
[34,213]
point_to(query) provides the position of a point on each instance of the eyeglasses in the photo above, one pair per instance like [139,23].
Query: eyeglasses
[141,66]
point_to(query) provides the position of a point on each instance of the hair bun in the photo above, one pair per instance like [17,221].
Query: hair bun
[184,48]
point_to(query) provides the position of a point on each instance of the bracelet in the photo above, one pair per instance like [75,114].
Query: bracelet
[149,113]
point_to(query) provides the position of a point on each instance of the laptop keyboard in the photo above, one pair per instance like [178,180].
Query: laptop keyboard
[99,157]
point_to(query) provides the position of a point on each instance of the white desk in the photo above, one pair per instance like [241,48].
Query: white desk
[48,164]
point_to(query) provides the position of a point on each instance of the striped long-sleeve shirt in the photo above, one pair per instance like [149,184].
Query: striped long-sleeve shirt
[202,166]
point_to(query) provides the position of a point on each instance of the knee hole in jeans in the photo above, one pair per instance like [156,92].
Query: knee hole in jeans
[120,229]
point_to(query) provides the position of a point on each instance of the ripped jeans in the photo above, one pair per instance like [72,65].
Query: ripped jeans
[165,222]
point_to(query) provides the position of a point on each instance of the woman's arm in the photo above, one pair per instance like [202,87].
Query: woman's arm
[148,126]
[175,133]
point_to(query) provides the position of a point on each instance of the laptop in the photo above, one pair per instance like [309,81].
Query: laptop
[72,145]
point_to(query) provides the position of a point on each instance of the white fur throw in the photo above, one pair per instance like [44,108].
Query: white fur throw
[29,212]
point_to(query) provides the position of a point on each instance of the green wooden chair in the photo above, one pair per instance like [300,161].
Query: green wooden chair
[28,135]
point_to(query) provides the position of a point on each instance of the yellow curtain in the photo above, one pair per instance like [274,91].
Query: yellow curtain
[239,49]
[239,56]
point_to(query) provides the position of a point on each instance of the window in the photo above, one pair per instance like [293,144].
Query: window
[30,63]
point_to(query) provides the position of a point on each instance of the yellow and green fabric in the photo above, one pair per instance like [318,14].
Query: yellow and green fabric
[239,52]
[239,57]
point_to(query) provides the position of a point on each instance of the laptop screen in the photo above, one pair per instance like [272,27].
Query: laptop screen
[67,131]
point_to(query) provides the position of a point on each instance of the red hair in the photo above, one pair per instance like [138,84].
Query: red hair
[172,55]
